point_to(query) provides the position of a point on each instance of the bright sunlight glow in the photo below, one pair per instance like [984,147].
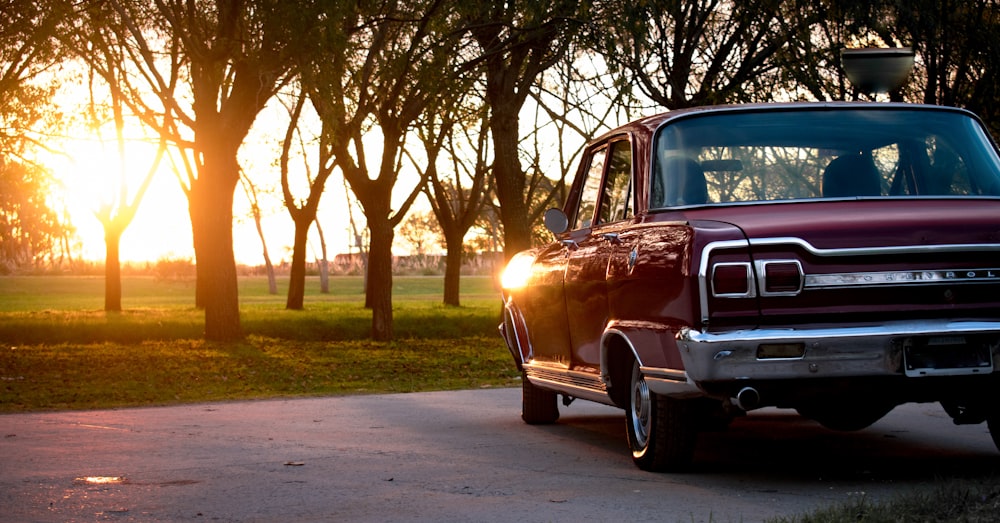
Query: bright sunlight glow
[90,174]
[517,272]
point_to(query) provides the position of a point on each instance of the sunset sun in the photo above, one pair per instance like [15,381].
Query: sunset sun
[91,177]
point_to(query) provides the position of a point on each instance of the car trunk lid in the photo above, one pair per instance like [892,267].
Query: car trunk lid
[871,259]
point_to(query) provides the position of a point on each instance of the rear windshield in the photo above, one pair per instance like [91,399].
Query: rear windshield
[732,157]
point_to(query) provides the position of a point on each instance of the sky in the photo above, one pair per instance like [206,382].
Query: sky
[161,228]
[88,173]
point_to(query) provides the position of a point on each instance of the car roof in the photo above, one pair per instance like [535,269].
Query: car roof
[648,125]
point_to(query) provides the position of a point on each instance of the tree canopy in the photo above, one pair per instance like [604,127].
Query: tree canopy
[502,76]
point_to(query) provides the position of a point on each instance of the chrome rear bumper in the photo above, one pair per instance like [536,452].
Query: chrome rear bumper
[831,351]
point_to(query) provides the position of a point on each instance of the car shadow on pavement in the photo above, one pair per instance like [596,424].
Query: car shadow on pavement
[782,444]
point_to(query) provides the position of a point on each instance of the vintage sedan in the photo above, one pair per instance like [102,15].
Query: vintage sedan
[839,259]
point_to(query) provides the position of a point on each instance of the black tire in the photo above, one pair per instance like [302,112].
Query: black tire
[966,413]
[661,431]
[993,422]
[538,406]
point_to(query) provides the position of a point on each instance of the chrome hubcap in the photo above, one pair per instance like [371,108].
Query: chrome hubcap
[640,411]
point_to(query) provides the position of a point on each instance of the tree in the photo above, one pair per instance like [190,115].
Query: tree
[303,212]
[253,196]
[574,101]
[31,229]
[28,48]
[199,73]
[118,209]
[378,67]
[957,53]
[518,40]
[701,52]
[420,230]
[115,215]
[323,261]
[810,65]
[957,50]
[31,232]
[456,198]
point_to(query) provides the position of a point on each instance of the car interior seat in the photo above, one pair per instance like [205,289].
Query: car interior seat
[851,175]
[682,182]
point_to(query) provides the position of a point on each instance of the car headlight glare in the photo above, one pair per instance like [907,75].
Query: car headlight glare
[517,272]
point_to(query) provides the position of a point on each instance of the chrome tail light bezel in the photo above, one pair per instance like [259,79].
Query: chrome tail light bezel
[750,290]
[763,281]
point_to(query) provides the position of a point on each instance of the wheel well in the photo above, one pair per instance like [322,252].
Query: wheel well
[619,360]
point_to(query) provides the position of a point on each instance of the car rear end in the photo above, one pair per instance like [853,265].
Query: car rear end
[843,292]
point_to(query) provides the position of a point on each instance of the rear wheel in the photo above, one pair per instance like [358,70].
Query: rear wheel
[661,430]
[538,406]
[993,422]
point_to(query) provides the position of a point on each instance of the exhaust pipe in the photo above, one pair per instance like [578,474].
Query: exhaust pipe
[747,398]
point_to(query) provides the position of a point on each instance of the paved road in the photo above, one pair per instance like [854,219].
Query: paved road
[450,456]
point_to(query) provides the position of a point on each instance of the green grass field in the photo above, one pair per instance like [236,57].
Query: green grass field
[60,350]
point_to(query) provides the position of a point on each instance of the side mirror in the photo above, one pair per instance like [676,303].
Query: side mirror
[556,221]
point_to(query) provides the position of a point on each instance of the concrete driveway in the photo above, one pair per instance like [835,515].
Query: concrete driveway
[451,456]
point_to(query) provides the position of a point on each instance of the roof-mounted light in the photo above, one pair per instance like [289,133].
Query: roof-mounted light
[877,70]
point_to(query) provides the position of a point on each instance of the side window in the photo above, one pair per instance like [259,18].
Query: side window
[617,198]
[591,190]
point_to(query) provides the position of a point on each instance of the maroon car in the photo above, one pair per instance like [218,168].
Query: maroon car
[834,258]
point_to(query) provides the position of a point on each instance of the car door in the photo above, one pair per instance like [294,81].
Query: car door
[596,243]
[545,305]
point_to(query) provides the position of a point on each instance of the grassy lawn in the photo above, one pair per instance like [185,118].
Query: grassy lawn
[59,350]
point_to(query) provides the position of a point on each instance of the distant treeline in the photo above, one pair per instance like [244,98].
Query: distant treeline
[480,264]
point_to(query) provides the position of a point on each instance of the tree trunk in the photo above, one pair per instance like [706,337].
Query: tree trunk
[510,183]
[297,277]
[272,283]
[324,264]
[212,222]
[379,287]
[324,276]
[200,273]
[112,270]
[453,269]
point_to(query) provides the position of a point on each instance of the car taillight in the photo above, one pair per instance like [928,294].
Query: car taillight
[780,277]
[732,280]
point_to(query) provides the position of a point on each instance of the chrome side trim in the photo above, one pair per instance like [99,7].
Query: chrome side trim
[573,383]
[666,374]
[605,377]
[670,382]
[874,251]
[509,332]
